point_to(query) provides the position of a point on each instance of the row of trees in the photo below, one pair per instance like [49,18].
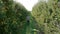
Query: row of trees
[12,17]
[47,16]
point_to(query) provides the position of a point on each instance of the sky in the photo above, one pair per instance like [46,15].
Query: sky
[28,4]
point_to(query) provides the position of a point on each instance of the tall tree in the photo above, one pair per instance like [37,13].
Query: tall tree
[12,17]
[47,16]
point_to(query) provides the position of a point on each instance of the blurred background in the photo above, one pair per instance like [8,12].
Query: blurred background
[29,16]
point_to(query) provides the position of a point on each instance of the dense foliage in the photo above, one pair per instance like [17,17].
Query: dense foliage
[12,17]
[45,18]
[47,15]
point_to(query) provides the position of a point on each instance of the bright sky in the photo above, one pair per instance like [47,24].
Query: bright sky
[28,3]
